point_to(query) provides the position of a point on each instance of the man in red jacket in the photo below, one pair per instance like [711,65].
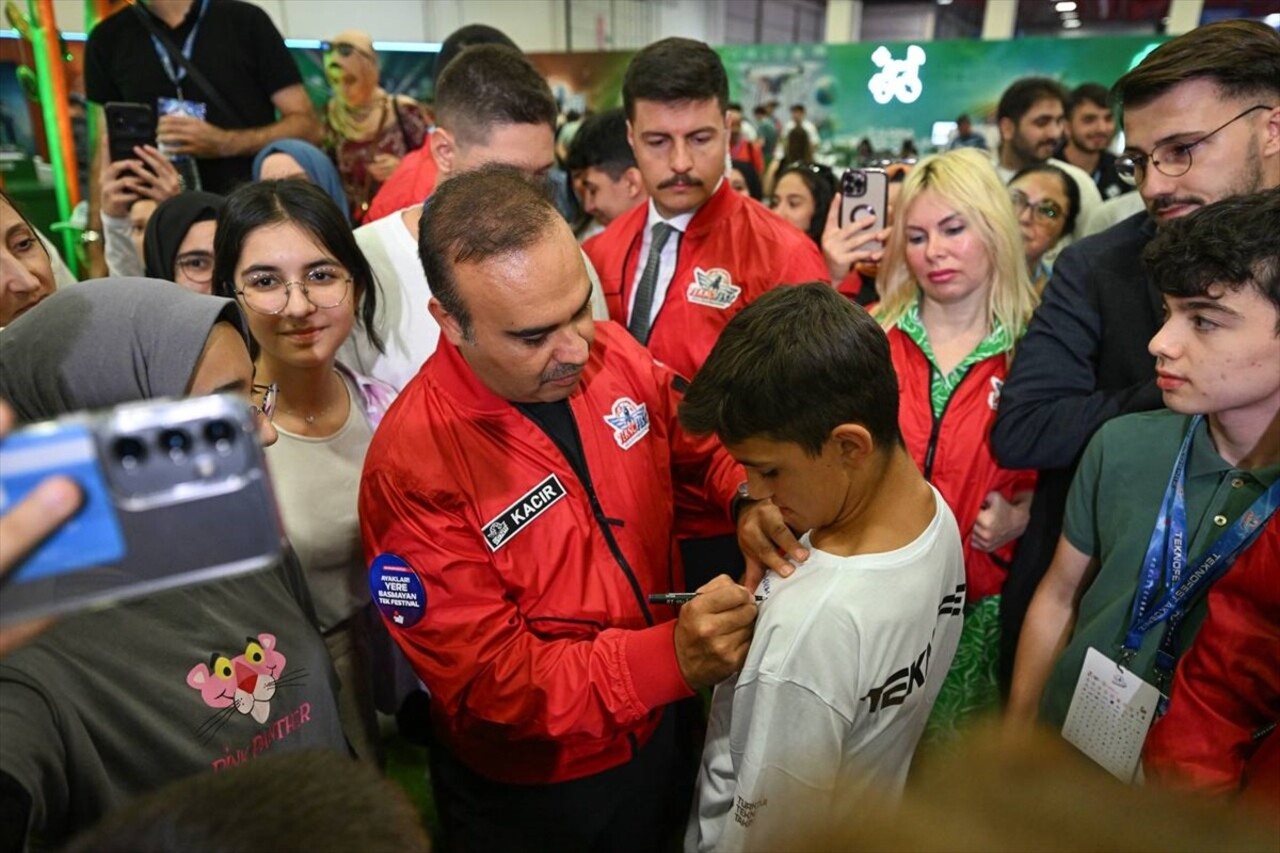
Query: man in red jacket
[676,271]
[517,511]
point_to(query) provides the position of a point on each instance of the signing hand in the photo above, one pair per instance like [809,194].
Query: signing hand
[713,632]
[842,247]
[23,527]
[193,136]
[761,535]
[1000,521]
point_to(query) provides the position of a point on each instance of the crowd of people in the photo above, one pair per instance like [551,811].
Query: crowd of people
[671,517]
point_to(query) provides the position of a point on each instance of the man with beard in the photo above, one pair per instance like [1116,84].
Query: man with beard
[1090,127]
[1202,123]
[677,270]
[1030,117]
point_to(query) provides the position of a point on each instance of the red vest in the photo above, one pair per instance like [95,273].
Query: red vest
[954,451]
[411,182]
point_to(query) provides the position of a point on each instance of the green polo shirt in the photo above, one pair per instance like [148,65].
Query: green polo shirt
[1111,511]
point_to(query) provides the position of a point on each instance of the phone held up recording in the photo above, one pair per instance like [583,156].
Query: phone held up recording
[175,492]
[865,192]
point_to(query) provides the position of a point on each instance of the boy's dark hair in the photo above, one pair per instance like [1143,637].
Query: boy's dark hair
[264,203]
[1069,187]
[792,366]
[674,70]
[1094,93]
[1241,57]
[474,216]
[1229,244]
[489,85]
[601,143]
[1023,94]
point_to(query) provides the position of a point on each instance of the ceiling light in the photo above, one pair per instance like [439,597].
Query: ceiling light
[1065,6]
[1071,23]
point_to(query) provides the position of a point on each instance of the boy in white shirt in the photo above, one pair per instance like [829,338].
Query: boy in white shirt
[851,649]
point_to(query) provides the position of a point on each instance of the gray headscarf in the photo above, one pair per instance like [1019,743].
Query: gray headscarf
[106,342]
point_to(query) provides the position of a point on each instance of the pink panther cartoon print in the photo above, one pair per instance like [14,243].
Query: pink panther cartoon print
[245,684]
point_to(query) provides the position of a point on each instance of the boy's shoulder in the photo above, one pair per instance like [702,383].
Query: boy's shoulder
[1147,430]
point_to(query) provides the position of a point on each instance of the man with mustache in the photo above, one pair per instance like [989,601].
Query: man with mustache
[1030,117]
[1202,123]
[1090,128]
[518,510]
[677,270]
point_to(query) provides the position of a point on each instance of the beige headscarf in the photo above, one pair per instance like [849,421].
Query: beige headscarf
[359,106]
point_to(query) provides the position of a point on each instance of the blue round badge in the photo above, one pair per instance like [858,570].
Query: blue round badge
[397,591]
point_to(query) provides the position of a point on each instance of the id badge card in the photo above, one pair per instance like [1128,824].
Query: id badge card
[1111,711]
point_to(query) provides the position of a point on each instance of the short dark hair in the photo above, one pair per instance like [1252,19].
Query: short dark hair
[821,182]
[1241,57]
[490,85]
[1023,94]
[734,105]
[492,211]
[673,70]
[262,203]
[1094,93]
[601,143]
[963,117]
[1230,244]
[800,107]
[464,37]
[762,379]
[1069,187]
[760,110]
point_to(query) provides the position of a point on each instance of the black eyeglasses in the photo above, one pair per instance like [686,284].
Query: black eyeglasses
[1172,159]
[342,48]
[267,408]
[1046,211]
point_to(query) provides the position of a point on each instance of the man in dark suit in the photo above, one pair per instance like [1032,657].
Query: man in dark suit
[1202,123]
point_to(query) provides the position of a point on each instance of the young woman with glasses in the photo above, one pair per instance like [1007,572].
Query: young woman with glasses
[955,299]
[1046,201]
[178,243]
[285,253]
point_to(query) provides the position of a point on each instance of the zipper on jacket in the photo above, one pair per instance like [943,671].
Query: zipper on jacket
[932,448]
[605,522]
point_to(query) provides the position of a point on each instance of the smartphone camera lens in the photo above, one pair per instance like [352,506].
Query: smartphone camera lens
[130,452]
[219,433]
[859,184]
[176,442]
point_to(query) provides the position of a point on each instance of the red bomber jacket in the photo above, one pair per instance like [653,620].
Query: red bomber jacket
[734,250]
[954,451]
[517,588]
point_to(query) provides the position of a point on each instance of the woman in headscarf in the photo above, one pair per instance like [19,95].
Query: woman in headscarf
[111,703]
[178,244]
[293,158]
[368,130]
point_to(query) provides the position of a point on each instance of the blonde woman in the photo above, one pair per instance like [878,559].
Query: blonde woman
[955,298]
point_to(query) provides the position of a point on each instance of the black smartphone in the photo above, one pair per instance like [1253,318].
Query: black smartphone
[176,492]
[129,125]
[865,192]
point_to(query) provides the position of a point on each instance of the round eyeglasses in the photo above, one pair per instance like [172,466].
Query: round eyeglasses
[196,266]
[266,293]
[1046,211]
[1171,159]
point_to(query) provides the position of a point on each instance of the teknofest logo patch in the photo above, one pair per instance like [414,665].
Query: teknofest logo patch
[713,288]
[629,420]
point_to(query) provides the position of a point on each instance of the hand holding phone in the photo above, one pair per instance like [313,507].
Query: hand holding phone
[128,126]
[175,492]
[865,192]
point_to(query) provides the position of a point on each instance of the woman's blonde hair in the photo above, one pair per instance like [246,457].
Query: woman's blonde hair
[966,181]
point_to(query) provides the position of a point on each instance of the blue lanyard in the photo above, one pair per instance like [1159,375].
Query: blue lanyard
[1166,560]
[176,75]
